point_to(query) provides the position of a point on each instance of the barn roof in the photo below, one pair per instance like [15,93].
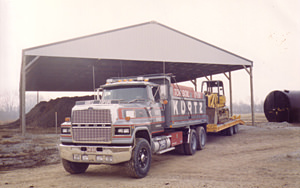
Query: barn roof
[83,63]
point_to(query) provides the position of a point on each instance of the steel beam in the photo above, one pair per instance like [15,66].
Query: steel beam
[22,96]
[94,86]
[250,72]
[29,65]
[230,90]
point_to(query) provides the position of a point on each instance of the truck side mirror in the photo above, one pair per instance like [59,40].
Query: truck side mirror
[97,95]
[163,92]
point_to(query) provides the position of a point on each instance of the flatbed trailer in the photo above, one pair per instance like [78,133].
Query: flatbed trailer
[215,128]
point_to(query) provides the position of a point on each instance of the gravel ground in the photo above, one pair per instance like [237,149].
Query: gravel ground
[17,151]
[266,155]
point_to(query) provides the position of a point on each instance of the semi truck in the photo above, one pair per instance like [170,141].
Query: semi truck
[133,118]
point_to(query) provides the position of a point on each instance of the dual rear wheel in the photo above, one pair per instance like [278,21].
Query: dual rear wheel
[196,141]
[232,130]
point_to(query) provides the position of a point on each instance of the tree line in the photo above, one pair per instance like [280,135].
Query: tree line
[244,108]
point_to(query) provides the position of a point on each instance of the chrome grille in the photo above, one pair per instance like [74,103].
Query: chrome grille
[91,134]
[91,116]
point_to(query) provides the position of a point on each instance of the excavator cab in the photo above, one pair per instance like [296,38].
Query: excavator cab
[215,101]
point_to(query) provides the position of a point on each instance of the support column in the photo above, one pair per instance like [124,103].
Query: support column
[94,77]
[230,91]
[250,72]
[252,96]
[22,97]
[22,90]
[37,97]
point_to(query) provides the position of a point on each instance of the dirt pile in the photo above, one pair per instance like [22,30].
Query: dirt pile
[43,114]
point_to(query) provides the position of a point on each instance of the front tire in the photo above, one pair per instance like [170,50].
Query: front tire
[140,161]
[74,168]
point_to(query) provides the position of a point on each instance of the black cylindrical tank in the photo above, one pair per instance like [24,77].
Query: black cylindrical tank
[282,106]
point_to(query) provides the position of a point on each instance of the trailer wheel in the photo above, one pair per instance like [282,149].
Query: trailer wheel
[229,131]
[191,147]
[74,168]
[201,138]
[140,161]
[235,129]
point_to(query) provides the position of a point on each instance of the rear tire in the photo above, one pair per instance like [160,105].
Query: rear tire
[229,131]
[191,147]
[201,138]
[235,129]
[139,164]
[74,168]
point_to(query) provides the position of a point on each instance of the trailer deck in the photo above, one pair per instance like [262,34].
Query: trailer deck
[214,128]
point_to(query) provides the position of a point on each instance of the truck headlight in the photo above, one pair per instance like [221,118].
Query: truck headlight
[85,157]
[122,131]
[99,158]
[108,158]
[65,130]
[126,130]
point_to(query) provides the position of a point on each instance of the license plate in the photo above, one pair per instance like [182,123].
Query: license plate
[91,149]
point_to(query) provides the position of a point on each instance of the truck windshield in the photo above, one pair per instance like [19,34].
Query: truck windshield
[125,94]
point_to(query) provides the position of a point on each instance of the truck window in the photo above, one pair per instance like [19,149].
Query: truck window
[155,93]
[125,94]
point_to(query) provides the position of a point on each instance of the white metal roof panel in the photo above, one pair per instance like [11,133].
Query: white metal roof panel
[149,41]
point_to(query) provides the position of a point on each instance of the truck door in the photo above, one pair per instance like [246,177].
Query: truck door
[156,111]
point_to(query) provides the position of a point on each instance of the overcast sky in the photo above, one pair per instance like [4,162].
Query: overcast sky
[266,32]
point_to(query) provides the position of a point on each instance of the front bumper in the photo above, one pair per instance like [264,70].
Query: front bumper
[95,154]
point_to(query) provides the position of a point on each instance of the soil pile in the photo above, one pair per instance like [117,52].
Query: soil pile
[43,114]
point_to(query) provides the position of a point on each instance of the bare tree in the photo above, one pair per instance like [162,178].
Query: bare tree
[8,105]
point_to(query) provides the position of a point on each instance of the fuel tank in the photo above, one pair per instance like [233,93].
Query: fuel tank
[280,106]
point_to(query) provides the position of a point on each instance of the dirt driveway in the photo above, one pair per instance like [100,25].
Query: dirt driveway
[263,156]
